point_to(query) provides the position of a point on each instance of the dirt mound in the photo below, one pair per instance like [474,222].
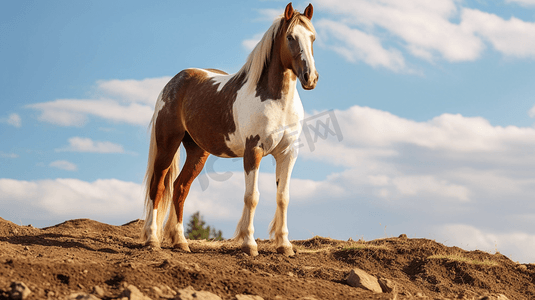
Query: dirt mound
[84,256]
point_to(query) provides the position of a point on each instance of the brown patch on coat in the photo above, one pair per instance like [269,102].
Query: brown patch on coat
[195,160]
[253,154]
[193,104]
[276,76]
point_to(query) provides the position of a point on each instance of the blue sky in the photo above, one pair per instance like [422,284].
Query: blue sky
[434,99]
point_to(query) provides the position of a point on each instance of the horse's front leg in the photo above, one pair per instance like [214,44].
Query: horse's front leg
[279,225]
[245,229]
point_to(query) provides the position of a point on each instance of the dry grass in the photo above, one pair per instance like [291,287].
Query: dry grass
[461,258]
[362,246]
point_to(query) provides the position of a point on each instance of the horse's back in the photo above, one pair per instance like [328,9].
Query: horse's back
[201,101]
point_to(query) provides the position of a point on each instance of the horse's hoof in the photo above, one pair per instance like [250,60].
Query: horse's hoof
[287,251]
[182,246]
[152,245]
[250,250]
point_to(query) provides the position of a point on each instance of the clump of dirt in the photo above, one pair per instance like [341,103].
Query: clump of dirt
[84,256]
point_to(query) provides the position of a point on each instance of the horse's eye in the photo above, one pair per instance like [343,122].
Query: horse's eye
[290,38]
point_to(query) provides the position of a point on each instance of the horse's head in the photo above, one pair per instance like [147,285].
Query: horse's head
[296,48]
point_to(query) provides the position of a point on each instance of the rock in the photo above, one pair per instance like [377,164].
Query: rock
[158,291]
[494,297]
[190,293]
[248,297]
[19,290]
[402,236]
[133,293]
[522,268]
[81,296]
[387,285]
[97,290]
[359,278]
[169,292]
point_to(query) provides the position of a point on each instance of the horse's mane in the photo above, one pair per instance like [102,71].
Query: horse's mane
[259,57]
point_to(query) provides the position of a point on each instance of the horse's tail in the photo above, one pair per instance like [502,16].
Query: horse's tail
[167,199]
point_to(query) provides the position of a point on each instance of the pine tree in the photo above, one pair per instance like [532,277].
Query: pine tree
[198,230]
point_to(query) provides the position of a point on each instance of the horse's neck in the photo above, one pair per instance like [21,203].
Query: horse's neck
[276,82]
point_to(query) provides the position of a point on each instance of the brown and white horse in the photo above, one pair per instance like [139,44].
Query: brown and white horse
[249,114]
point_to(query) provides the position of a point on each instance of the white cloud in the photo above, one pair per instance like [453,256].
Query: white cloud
[8,155]
[269,14]
[522,2]
[79,144]
[510,243]
[424,27]
[249,44]
[116,202]
[512,37]
[448,169]
[446,132]
[104,199]
[13,120]
[531,112]
[415,185]
[356,45]
[72,112]
[125,101]
[63,165]
[143,91]
[371,31]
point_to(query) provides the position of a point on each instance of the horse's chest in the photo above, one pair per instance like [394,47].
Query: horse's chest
[276,123]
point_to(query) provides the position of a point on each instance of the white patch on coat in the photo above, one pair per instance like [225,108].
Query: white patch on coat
[151,228]
[276,121]
[158,107]
[220,79]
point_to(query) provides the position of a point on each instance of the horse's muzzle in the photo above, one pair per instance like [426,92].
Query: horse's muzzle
[308,81]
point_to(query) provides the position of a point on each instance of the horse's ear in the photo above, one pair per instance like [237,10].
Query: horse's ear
[289,11]
[309,11]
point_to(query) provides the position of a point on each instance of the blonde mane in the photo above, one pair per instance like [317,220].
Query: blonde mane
[259,57]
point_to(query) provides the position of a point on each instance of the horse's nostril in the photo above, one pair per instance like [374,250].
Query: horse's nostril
[305,77]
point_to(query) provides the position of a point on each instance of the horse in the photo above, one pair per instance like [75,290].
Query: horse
[252,113]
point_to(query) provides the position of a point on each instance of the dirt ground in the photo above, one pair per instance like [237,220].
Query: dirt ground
[79,255]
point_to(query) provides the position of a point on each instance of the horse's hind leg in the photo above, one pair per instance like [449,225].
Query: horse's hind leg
[195,160]
[163,162]
[245,230]
[279,225]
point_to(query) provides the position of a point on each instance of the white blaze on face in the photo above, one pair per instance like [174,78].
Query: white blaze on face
[305,38]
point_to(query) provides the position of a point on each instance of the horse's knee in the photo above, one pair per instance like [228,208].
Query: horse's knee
[251,199]
[282,200]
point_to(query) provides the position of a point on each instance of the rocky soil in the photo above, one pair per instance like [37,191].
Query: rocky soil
[85,259]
